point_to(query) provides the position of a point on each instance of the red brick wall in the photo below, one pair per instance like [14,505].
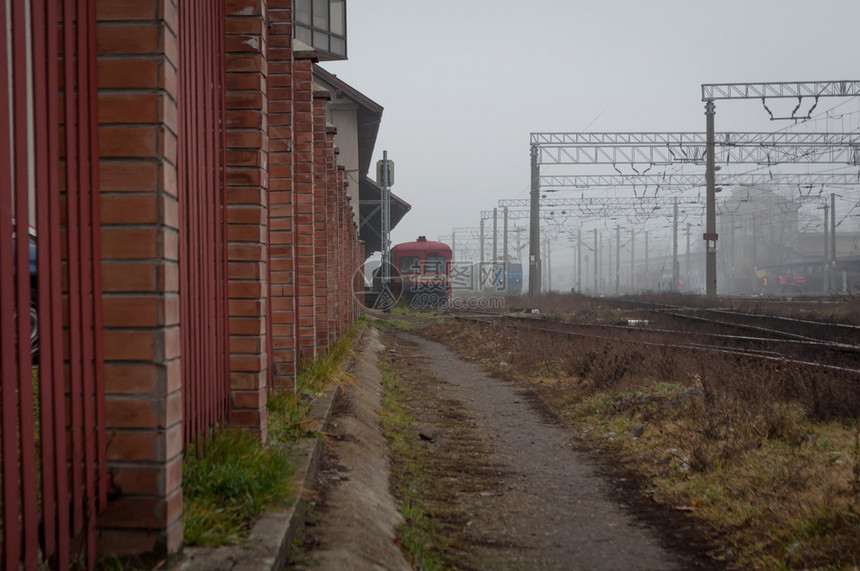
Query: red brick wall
[137,69]
[345,269]
[321,223]
[292,242]
[333,235]
[303,188]
[281,197]
[248,207]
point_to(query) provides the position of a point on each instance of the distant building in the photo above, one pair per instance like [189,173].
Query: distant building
[763,250]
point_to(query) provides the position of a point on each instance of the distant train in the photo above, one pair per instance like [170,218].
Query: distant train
[515,278]
[492,277]
[421,271]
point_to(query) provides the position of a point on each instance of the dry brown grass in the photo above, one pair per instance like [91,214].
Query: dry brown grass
[765,456]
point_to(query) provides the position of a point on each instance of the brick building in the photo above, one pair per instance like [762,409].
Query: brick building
[198,235]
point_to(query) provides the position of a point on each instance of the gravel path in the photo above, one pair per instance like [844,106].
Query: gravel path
[554,511]
[521,495]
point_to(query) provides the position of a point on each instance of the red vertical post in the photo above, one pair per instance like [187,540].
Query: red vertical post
[11,547]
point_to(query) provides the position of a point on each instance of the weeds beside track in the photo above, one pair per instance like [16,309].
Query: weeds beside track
[763,449]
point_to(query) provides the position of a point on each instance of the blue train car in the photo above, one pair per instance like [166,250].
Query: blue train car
[515,278]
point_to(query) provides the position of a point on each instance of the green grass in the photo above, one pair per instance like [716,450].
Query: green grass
[228,486]
[290,413]
[410,472]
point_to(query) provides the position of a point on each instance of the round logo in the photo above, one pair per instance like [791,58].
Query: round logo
[377,294]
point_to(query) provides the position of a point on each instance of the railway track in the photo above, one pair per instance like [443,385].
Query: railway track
[766,325]
[791,342]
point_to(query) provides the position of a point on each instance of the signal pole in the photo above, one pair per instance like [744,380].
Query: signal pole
[386,220]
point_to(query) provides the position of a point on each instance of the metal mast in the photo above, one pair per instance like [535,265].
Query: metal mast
[796,89]
[386,220]
[534,226]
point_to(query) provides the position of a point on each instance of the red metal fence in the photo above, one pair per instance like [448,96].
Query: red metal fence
[53,467]
[202,213]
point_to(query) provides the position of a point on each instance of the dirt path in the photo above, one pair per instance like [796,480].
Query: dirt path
[515,492]
[551,509]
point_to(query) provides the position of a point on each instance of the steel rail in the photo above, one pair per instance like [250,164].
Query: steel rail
[709,348]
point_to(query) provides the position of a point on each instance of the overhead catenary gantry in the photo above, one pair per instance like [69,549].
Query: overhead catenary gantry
[673,148]
[557,213]
[590,206]
[763,90]
[794,89]
[695,148]
[459,236]
[554,183]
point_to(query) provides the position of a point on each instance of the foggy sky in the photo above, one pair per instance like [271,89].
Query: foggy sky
[464,82]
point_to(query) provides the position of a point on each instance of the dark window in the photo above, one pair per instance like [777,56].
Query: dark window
[322,25]
[435,265]
[410,265]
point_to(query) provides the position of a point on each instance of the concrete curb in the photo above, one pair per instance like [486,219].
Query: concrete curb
[268,546]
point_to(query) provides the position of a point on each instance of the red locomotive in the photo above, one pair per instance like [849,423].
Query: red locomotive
[422,271]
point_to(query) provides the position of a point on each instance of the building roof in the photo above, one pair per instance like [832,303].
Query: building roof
[368,117]
[369,114]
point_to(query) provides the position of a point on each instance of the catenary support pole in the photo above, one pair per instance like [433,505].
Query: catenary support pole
[688,277]
[495,235]
[481,237]
[596,267]
[548,265]
[617,259]
[534,226]
[710,204]
[833,240]
[675,265]
[505,260]
[647,283]
[579,260]
[632,260]
[825,277]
